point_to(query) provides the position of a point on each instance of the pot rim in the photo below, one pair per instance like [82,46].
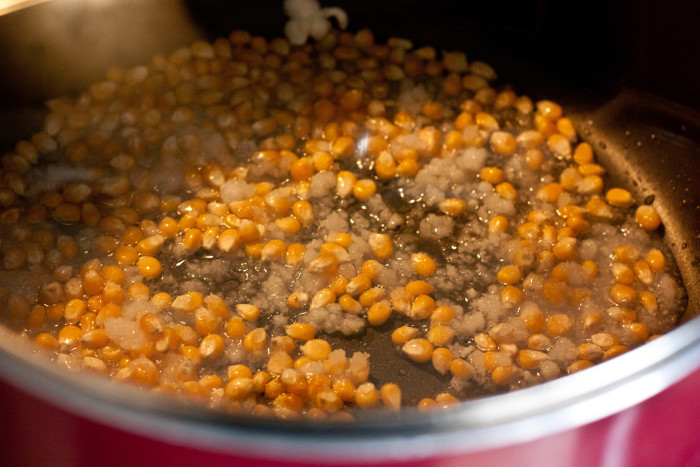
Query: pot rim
[473,425]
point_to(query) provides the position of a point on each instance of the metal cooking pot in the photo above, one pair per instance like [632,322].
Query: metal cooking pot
[637,408]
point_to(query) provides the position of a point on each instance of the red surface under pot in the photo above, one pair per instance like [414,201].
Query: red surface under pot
[657,432]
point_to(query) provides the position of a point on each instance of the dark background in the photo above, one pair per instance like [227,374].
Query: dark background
[646,44]
[62,46]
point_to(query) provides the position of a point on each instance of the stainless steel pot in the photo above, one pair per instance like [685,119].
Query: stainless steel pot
[648,143]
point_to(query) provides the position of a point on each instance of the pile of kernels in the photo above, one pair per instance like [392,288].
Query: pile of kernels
[202,224]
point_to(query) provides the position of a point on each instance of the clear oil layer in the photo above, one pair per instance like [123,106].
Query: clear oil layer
[225,221]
